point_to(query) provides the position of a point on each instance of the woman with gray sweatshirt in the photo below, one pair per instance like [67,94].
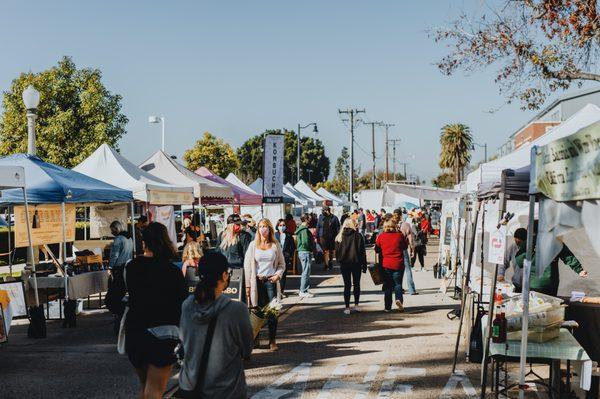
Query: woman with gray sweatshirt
[223,373]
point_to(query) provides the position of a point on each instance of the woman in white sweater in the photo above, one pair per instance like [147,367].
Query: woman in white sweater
[264,265]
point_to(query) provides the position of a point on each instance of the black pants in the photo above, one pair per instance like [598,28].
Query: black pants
[351,274]
[419,254]
[266,292]
[288,265]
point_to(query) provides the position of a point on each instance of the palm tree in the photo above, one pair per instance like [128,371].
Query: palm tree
[456,141]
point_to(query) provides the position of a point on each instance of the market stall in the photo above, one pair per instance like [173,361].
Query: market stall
[157,195]
[305,190]
[303,203]
[54,192]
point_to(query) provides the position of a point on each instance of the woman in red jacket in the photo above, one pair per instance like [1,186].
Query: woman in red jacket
[391,245]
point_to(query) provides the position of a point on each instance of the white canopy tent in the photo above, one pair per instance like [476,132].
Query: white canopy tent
[337,201]
[299,197]
[394,193]
[492,171]
[304,189]
[109,166]
[208,192]
[370,199]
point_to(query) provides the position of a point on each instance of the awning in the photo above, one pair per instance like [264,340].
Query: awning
[240,196]
[303,188]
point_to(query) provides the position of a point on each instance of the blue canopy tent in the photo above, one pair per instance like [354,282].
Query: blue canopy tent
[52,184]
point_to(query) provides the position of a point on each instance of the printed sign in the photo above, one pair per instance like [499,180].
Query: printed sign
[568,169]
[497,246]
[156,197]
[273,169]
[233,291]
[16,293]
[448,231]
[46,224]
[101,216]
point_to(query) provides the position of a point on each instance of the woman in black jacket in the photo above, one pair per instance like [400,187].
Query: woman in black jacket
[288,245]
[156,291]
[351,255]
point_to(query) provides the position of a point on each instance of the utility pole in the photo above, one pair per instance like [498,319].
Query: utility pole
[374,178]
[352,112]
[404,165]
[387,151]
[394,142]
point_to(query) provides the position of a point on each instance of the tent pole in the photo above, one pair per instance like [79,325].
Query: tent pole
[482,261]
[85,223]
[133,227]
[525,295]
[465,285]
[30,249]
[484,370]
[10,252]
[64,248]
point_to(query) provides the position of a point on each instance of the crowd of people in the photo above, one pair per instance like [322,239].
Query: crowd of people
[192,313]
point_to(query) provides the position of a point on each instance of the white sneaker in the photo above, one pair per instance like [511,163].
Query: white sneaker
[305,295]
[347,311]
[356,308]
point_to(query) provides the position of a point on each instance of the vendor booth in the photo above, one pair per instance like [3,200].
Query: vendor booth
[303,203]
[54,192]
[156,195]
[305,190]
[206,192]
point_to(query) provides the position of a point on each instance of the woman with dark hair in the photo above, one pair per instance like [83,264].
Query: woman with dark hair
[156,291]
[286,240]
[351,254]
[213,322]
[390,246]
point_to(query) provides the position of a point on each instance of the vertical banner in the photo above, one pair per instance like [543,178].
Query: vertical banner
[273,169]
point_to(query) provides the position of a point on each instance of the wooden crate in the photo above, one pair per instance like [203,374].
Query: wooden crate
[89,259]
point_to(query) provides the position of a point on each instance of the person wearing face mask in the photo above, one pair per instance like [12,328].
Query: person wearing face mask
[288,246]
[213,322]
[264,265]
[233,242]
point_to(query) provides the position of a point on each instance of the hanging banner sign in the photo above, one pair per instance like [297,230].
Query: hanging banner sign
[156,197]
[568,169]
[46,224]
[448,231]
[101,216]
[497,246]
[273,169]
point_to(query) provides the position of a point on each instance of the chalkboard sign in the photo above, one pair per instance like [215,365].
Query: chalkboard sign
[16,292]
[236,283]
[448,231]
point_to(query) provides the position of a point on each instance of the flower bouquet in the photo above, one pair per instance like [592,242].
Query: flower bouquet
[259,316]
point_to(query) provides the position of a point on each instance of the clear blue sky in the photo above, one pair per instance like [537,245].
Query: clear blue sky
[235,68]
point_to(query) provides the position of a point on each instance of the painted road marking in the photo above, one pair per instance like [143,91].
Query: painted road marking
[459,377]
[388,387]
[335,384]
[300,373]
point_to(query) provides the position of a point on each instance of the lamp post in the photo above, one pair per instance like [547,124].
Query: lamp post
[31,98]
[315,130]
[159,119]
[484,146]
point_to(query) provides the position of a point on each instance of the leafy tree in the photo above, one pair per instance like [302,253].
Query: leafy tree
[313,158]
[537,46]
[212,153]
[365,180]
[456,141]
[444,180]
[75,116]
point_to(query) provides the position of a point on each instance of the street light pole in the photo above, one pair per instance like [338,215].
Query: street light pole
[31,98]
[159,119]
[484,146]
[315,130]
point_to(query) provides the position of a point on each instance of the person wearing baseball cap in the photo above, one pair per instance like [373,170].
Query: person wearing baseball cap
[233,242]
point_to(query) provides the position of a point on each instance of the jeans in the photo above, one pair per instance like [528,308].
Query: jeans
[305,263]
[420,254]
[408,274]
[266,292]
[392,281]
[350,274]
